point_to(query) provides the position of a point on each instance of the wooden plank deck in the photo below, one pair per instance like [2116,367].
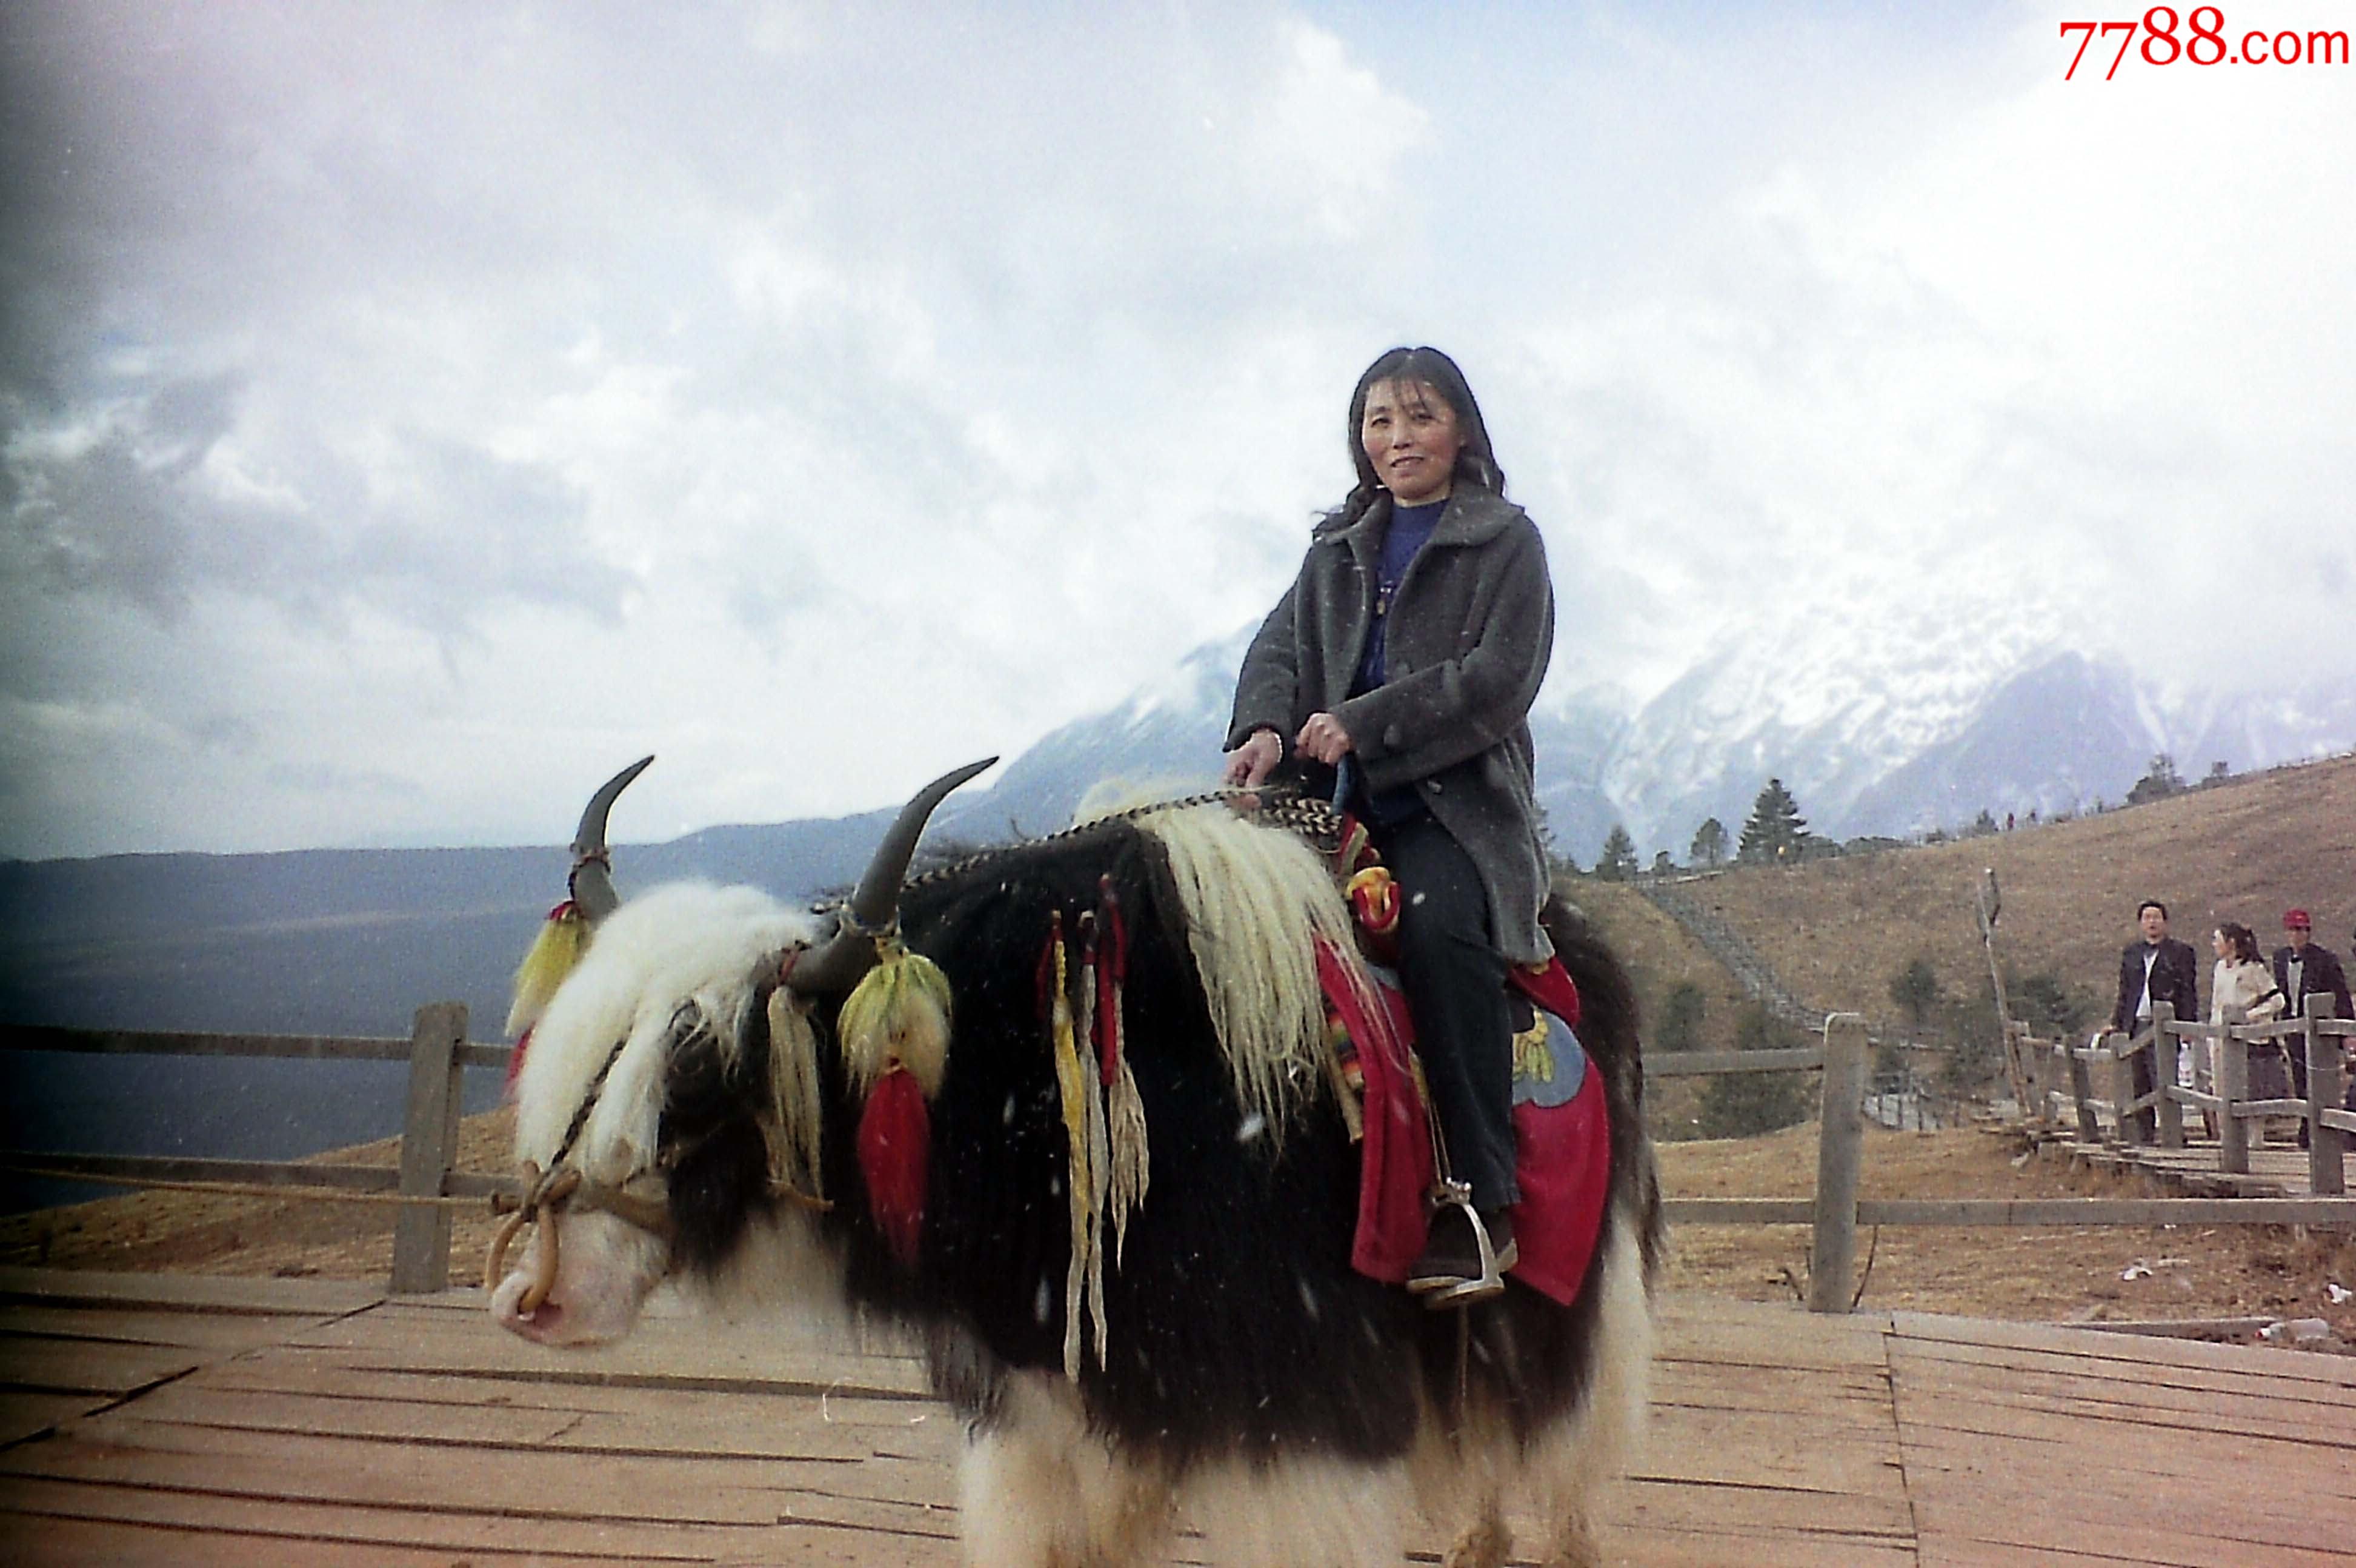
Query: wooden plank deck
[2276,1170]
[148,1420]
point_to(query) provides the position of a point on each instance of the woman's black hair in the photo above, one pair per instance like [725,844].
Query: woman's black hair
[1427,366]
[2241,942]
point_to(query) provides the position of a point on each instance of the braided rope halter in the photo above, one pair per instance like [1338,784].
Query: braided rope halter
[549,1193]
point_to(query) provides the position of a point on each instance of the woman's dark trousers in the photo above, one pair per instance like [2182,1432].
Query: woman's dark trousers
[1455,981]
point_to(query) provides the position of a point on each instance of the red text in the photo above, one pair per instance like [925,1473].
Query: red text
[2199,37]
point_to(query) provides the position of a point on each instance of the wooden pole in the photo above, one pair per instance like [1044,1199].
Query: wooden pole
[1839,1152]
[2233,1088]
[1989,902]
[2167,1049]
[2037,1066]
[2131,1118]
[429,1147]
[2081,1089]
[2326,1146]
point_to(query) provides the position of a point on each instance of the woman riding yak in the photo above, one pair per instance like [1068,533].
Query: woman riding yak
[1399,672]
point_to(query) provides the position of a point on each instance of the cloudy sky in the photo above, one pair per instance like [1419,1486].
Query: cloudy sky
[408,412]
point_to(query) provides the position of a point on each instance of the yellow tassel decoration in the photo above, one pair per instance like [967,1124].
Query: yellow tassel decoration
[1072,1083]
[792,1130]
[897,1017]
[562,938]
[1133,1166]
[1100,1138]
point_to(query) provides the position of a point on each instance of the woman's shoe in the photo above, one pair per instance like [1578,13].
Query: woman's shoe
[1465,1258]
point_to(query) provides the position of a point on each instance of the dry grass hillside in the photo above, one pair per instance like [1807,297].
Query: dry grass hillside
[1838,931]
[1661,955]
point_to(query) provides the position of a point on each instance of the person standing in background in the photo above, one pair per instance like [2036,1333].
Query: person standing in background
[2242,983]
[2305,968]
[2154,968]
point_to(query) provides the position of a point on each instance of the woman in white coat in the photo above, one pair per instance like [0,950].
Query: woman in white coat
[2243,980]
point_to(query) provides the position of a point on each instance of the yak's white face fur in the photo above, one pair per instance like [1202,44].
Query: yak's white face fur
[688,940]
[604,1269]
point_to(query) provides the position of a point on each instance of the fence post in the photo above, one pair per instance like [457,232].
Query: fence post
[2325,1145]
[2167,1049]
[2233,1088]
[2135,1126]
[2049,1075]
[1839,1149]
[2081,1089]
[429,1146]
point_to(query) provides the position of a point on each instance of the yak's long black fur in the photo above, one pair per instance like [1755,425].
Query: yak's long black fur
[1237,1326]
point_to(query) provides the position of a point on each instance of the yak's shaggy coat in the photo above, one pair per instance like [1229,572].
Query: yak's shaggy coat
[1253,1379]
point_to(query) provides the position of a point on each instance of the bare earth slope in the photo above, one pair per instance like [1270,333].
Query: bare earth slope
[1838,931]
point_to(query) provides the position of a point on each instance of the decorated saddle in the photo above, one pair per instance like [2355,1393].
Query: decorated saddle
[1562,1130]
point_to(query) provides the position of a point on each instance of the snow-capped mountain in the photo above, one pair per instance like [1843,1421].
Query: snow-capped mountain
[1888,731]
[1164,738]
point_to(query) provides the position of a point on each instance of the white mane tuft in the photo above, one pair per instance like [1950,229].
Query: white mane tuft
[1256,897]
[688,941]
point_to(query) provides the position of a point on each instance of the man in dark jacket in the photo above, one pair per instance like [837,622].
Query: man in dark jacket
[2305,969]
[2157,969]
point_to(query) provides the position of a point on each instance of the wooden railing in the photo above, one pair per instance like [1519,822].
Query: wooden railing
[2064,1090]
[1835,1212]
[438,1055]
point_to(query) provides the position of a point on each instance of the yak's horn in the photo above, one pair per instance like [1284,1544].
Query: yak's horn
[592,879]
[851,953]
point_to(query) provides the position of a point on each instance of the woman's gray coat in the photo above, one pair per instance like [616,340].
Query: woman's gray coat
[1471,630]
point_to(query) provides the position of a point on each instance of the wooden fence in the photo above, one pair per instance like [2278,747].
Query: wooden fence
[438,1055]
[1835,1212]
[2063,1087]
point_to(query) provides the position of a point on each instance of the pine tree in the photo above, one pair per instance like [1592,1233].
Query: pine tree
[1738,1104]
[1915,989]
[1776,831]
[2159,781]
[1618,862]
[1681,1019]
[2049,1004]
[1708,844]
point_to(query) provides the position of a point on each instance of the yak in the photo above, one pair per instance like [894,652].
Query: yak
[698,1103]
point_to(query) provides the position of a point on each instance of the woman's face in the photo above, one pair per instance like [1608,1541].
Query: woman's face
[1412,438]
[2219,946]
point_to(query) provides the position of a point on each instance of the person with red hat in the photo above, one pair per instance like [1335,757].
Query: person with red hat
[2307,968]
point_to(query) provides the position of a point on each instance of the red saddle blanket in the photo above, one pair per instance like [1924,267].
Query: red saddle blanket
[1562,1151]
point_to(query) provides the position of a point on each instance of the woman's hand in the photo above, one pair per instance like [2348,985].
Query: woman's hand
[1324,739]
[1252,762]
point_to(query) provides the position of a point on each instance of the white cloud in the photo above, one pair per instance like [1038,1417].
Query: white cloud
[1329,138]
[409,413]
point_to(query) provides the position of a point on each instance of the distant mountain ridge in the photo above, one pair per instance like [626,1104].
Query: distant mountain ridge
[1926,743]
[350,941]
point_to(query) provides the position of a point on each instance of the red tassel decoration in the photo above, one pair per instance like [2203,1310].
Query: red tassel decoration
[895,1144]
